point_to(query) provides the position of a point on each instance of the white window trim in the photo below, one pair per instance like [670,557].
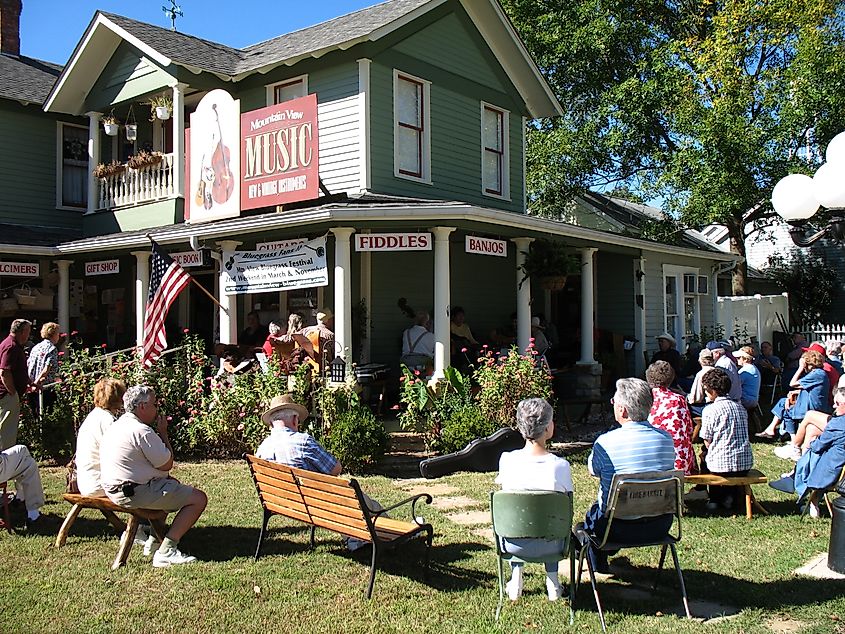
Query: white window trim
[270,89]
[426,122]
[670,270]
[506,152]
[60,138]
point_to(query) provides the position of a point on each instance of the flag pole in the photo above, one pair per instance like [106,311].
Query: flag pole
[200,286]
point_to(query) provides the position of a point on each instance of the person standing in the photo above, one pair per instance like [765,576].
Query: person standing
[14,380]
[43,363]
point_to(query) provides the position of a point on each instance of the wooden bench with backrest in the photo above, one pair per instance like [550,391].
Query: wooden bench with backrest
[336,504]
[754,477]
[109,510]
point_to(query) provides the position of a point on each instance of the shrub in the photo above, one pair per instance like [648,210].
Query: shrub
[504,381]
[356,439]
[463,425]
[427,408]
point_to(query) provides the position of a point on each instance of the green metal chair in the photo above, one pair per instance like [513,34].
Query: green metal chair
[537,515]
[632,497]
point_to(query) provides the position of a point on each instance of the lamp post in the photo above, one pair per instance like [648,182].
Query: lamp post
[797,197]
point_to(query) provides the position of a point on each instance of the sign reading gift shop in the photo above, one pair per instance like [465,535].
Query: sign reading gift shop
[486,246]
[301,265]
[393,242]
[279,149]
[103,267]
[19,269]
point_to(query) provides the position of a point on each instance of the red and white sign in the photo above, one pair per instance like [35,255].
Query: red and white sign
[103,267]
[486,246]
[393,242]
[187,259]
[281,244]
[279,150]
[19,269]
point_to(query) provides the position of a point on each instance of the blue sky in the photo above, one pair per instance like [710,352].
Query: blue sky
[50,29]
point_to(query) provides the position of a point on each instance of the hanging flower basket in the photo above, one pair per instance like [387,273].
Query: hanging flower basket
[111,127]
[144,159]
[104,170]
[131,131]
[163,113]
[553,282]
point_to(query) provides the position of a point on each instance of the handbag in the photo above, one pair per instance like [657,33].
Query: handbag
[70,477]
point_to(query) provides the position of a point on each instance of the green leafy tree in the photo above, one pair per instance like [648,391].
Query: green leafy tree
[703,104]
[811,283]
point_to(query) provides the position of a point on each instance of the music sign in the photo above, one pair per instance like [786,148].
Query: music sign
[279,147]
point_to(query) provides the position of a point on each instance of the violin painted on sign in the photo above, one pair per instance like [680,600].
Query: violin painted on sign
[224,182]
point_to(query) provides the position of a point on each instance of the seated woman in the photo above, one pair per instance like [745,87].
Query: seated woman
[108,403]
[810,392]
[670,413]
[810,428]
[697,398]
[533,468]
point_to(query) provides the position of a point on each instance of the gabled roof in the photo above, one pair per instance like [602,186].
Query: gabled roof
[167,47]
[26,79]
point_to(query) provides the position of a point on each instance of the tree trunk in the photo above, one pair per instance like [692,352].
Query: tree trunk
[739,276]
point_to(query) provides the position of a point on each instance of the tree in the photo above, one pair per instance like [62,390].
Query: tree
[704,104]
[811,283]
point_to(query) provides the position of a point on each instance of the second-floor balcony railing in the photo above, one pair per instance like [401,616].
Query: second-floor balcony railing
[140,185]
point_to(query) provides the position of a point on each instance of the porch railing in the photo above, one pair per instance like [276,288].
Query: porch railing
[133,186]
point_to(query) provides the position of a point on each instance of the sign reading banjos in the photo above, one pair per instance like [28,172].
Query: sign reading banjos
[486,246]
[103,267]
[393,242]
[19,269]
[280,157]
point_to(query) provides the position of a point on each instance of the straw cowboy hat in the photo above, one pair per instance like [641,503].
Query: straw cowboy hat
[284,401]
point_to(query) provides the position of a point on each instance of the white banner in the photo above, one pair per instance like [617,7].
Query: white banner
[486,246]
[297,266]
[103,267]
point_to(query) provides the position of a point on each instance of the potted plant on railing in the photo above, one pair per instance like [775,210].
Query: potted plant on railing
[160,107]
[104,170]
[550,264]
[110,124]
[144,159]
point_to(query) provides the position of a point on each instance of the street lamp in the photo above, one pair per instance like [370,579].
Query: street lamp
[797,197]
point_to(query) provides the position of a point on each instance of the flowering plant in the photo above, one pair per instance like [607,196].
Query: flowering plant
[505,380]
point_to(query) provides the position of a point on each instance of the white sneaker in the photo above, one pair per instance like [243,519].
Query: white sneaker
[712,506]
[695,495]
[788,452]
[554,589]
[514,588]
[174,557]
[151,545]
[141,536]
[814,510]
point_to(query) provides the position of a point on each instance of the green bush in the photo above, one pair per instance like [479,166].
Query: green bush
[463,425]
[503,382]
[357,440]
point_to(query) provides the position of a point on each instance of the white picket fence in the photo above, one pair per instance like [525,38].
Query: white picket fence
[752,317]
[823,332]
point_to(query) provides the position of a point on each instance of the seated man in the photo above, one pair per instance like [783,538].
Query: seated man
[418,344]
[134,467]
[17,464]
[697,398]
[464,346]
[635,447]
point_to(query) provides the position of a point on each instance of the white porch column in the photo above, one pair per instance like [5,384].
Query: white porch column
[342,292]
[587,306]
[93,159]
[179,139]
[523,295]
[142,285]
[442,298]
[229,312]
[64,294]
[366,295]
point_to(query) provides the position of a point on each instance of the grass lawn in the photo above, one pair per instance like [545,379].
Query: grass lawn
[726,560]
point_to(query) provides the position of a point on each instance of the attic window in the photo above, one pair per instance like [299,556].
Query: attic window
[286,90]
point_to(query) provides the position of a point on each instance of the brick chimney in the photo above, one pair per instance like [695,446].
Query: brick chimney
[10,27]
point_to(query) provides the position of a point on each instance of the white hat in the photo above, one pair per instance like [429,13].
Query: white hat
[742,353]
[667,337]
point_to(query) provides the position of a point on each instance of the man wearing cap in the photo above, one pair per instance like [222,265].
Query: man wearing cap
[321,335]
[724,359]
[667,352]
[749,377]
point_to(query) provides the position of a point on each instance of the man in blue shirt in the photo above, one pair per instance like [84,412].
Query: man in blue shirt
[636,447]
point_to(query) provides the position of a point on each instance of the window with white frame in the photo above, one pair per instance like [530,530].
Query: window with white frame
[286,90]
[72,166]
[411,136]
[494,151]
[681,301]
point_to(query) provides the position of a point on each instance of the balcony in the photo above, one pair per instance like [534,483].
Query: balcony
[127,186]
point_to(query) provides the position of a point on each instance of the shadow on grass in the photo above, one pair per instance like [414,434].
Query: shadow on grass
[776,508]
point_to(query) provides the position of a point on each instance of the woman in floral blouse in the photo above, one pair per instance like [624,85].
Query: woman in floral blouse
[670,412]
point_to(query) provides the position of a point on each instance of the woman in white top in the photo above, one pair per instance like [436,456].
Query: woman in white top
[533,468]
[108,403]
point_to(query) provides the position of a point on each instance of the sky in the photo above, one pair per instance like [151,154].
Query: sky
[50,29]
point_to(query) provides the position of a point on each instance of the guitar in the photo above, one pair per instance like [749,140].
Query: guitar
[224,182]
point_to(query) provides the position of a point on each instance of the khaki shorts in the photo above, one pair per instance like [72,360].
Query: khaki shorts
[161,494]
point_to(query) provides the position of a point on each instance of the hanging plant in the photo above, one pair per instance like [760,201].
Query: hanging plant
[131,125]
[110,124]
[550,264]
[160,107]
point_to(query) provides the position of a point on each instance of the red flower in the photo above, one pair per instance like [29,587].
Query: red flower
[73,333]
[103,346]
[185,330]
[417,372]
[463,349]
[61,353]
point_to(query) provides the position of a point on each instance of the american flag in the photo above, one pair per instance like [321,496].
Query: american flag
[167,280]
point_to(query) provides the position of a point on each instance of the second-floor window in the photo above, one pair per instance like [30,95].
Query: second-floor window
[72,169]
[411,130]
[494,151]
[288,89]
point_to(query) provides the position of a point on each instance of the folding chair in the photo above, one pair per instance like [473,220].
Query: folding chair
[637,496]
[533,515]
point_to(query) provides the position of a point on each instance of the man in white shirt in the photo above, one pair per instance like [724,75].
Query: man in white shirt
[418,343]
[724,359]
[134,464]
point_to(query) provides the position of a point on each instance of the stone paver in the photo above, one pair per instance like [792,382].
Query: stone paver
[817,568]
[785,626]
[469,518]
[431,489]
[455,502]
[484,533]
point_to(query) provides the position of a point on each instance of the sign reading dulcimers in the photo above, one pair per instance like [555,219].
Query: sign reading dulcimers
[214,161]
[301,265]
[279,150]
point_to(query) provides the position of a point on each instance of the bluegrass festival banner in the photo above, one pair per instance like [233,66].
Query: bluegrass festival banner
[300,265]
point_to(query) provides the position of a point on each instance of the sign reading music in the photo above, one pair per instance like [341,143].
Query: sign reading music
[279,150]
[486,246]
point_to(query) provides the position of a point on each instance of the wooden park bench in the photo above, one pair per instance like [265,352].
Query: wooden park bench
[109,510]
[754,477]
[336,504]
